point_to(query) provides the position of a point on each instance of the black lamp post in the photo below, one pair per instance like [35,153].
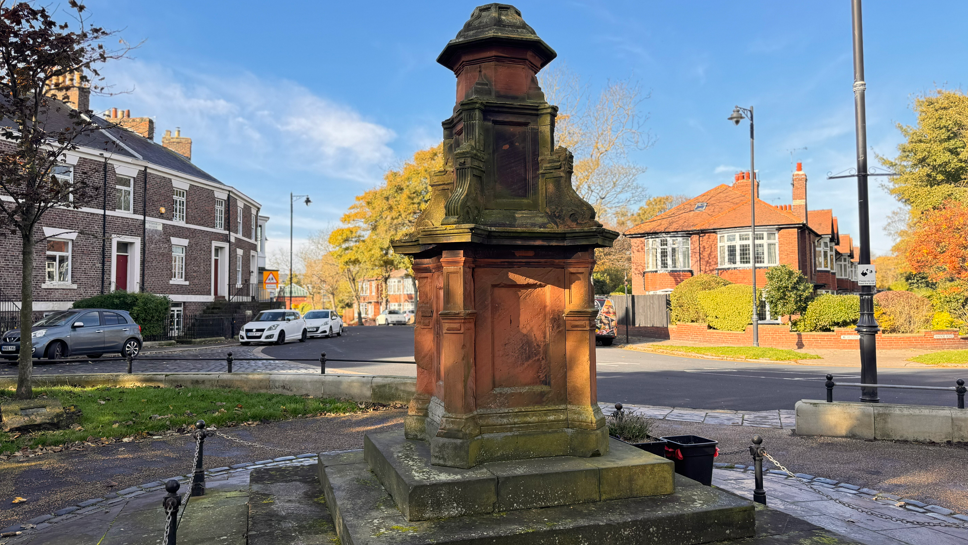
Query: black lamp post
[292,199]
[736,117]
[867,327]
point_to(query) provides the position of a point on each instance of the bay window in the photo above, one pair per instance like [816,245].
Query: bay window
[667,253]
[824,260]
[735,249]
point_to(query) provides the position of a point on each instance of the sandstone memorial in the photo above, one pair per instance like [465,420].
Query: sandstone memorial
[504,441]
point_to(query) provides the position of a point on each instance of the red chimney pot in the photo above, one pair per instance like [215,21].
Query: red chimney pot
[799,167]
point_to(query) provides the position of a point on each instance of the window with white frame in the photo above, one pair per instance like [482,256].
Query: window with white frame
[220,213]
[843,266]
[824,260]
[252,223]
[258,239]
[734,249]
[178,263]
[176,319]
[58,261]
[395,286]
[252,269]
[64,174]
[408,306]
[396,306]
[408,285]
[667,253]
[124,189]
[364,287]
[238,270]
[238,220]
[178,205]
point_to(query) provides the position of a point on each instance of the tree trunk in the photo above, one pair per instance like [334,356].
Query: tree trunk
[24,388]
[359,310]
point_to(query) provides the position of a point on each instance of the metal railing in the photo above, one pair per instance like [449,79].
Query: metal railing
[249,292]
[9,313]
[959,388]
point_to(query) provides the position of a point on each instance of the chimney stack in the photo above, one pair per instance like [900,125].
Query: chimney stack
[72,90]
[143,126]
[742,183]
[800,193]
[178,143]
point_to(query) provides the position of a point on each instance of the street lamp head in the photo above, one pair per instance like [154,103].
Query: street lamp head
[736,116]
[307,201]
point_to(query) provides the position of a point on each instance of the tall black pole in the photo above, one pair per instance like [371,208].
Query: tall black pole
[756,315]
[290,248]
[144,228]
[104,219]
[867,326]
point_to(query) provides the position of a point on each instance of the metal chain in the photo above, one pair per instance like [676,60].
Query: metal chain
[249,443]
[164,540]
[856,507]
[191,483]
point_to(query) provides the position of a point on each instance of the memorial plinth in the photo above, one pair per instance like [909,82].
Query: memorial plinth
[505,419]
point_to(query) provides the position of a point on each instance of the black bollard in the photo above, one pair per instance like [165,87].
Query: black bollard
[960,390]
[198,480]
[322,363]
[228,361]
[759,494]
[830,388]
[130,360]
[171,504]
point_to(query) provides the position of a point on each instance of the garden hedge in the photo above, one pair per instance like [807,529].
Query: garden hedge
[684,299]
[903,311]
[728,308]
[829,311]
[147,309]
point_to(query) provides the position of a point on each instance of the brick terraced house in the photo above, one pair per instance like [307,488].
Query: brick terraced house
[710,234]
[401,290]
[159,224]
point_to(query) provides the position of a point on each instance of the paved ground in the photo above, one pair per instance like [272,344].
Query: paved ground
[121,483]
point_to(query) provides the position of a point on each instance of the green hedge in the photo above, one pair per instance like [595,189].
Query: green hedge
[684,298]
[729,308]
[829,311]
[147,309]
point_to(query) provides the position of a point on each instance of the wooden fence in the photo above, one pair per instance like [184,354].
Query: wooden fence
[643,310]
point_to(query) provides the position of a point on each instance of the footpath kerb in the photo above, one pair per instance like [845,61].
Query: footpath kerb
[361,388]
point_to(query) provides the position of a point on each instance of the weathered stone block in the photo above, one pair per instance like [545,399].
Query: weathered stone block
[629,472]
[959,425]
[836,419]
[192,380]
[392,389]
[544,482]
[25,415]
[357,388]
[310,385]
[247,382]
[912,423]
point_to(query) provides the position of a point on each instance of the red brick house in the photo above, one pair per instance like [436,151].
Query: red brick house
[159,223]
[400,294]
[710,234]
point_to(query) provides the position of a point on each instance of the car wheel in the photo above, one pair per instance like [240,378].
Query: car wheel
[132,347]
[56,351]
[304,336]
[281,339]
[94,356]
[244,343]
[339,332]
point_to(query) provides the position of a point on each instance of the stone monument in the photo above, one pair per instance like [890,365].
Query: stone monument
[504,437]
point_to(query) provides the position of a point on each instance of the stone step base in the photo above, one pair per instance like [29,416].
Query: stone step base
[287,507]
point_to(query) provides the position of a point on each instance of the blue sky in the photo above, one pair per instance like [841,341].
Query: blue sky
[323,97]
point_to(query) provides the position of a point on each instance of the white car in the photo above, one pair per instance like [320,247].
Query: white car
[323,323]
[274,326]
[391,317]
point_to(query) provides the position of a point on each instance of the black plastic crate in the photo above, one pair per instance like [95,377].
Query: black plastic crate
[693,456]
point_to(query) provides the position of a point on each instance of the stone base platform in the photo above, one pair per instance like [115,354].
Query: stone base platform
[364,512]
[422,491]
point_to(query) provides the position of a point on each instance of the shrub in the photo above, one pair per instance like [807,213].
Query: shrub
[684,300]
[908,312]
[147,309]
[729,308]
[608,281]
[829,311]
[944,320]
[787,291]
[899,285]
[629,427]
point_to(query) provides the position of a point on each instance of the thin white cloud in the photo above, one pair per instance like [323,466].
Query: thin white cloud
[726,168]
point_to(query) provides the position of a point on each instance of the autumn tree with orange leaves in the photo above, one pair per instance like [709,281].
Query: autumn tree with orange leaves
[941,250]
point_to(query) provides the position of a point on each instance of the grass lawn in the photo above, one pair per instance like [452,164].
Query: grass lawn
[110,412]
[747,352]
[943,357]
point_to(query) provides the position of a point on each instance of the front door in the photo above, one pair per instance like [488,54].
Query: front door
[121,267]
[216,270]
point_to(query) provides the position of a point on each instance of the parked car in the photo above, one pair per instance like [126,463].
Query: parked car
[411,316]
[323,323]
[605,321]
[83,332]
[391,317]
[274,326]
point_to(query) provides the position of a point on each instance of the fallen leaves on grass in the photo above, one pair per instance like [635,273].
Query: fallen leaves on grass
[18,499]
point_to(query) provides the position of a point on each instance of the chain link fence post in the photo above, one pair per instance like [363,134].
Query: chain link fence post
[830,388]
[171,503]
[322,363]
[198,479]
[960,390]
[228,361]
[759,493]
[130,361]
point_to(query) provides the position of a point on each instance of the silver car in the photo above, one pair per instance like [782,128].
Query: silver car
[82,332]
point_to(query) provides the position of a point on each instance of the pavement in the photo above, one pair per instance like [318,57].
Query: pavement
[868,510]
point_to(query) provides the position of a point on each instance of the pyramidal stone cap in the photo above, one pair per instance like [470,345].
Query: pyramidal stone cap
[495,23]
